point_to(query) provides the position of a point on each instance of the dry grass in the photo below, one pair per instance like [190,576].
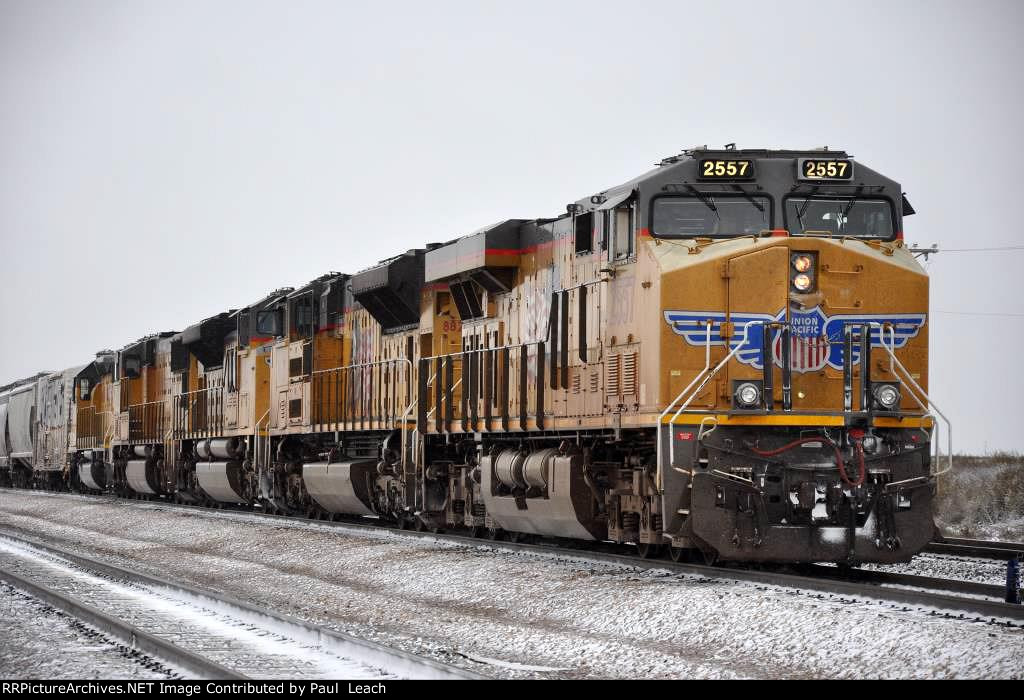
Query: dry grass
[983,497]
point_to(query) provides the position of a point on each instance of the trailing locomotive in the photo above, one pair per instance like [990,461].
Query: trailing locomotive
[725,357]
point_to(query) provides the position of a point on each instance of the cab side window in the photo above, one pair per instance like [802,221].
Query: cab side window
[622,233]
[584,225]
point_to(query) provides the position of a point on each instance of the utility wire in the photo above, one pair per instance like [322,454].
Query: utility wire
[978,250]
[975,313]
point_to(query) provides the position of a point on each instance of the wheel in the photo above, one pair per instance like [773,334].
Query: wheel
[403,523]
[495,533]
[420,525]
[679,554]
[479,532]
[647,550]
[517,537]
[710,556]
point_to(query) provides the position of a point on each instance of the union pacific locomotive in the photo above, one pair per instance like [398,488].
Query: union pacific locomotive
[725,357]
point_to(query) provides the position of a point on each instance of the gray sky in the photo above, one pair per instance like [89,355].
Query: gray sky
[164,161]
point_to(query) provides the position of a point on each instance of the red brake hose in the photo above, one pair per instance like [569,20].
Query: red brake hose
[858,449]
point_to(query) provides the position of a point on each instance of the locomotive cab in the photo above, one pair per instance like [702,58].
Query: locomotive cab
[91,467]
[794,354]
[141,435]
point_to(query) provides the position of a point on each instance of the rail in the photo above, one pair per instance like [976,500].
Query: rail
[875,586]
[226,656]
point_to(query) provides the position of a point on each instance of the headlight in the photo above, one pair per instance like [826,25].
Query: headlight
[802,282]
[802,263]
[748,395]
[886,396]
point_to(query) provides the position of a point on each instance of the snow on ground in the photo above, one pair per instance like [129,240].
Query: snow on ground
[520,614]
[983,498]
[1002,531]
[39,642]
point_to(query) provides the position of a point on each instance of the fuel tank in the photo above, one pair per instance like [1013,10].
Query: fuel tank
[92,475]
[221,480]
[341,487]
[140,477]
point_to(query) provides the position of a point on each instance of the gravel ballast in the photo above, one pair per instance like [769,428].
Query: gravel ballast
[512,614]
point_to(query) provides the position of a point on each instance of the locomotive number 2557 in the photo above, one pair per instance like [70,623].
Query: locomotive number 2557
[811,169]
[726,168]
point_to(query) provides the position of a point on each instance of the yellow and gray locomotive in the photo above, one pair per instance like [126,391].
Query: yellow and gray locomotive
[724,357]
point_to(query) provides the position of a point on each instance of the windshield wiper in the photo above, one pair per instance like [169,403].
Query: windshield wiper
[749,198]
[803,208]
[853,201]
[707,201]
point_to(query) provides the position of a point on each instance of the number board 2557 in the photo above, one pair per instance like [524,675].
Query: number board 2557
[825,169]
[718,169]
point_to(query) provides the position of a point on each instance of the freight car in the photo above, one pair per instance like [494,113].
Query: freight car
[725,357]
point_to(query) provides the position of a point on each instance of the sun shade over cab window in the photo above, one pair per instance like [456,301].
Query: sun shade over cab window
[710,215]
[839,216]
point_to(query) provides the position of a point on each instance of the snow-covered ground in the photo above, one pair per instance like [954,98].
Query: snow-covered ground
[1011,530]
[39,642]
[249,644]
[521,614]
[983,498]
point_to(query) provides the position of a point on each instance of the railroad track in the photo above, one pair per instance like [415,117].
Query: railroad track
[202,633]
[948,597]
[983,549]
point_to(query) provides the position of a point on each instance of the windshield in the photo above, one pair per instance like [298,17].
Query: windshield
[860,218]
[710,215]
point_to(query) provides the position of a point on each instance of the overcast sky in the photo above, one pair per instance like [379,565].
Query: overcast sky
[164,161]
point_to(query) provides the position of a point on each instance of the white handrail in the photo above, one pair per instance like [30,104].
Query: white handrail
[260,442]
[661,418]
[927,405]
[707,378]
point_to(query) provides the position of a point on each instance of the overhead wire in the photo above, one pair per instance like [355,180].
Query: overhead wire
[979,250]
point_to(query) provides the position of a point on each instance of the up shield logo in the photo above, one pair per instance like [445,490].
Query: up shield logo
[816,339]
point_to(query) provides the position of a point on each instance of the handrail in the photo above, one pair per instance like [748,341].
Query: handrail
[369,365]
[264,416]
[456,384]
[707,378]
[365,364]
[661,418]
[145,420]
[144,403]
[204,390]
[260,440]
[475,350]
[108,434]
[198,412]
[925,404]
[919,395]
